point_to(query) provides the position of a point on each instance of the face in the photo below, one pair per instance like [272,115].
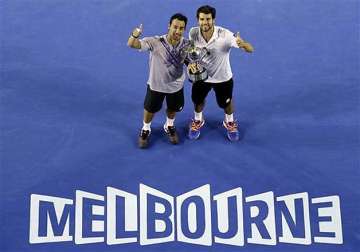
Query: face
[206,22]
[176,29]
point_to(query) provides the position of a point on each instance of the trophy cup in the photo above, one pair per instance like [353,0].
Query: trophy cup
[195,56]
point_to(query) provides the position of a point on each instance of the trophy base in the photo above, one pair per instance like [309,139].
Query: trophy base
[199,76]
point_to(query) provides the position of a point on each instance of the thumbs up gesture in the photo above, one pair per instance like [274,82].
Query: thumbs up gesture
[137,31]
[239,40]
[242,44]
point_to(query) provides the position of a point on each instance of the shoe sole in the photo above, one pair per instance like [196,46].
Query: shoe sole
[194,138]
[143,144]
[174,140]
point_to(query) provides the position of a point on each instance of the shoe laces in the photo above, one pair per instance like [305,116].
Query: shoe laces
[144,134]
[231,126]
[171,130]
[195,124]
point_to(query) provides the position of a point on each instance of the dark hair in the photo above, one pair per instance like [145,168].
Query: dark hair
[206,9]
[178,16]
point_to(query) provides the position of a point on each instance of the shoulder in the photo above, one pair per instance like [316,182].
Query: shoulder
[150,43]
[223,32]
[151,39]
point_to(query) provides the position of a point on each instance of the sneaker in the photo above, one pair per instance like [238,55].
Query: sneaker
[194,129]
[144,138]
[171,133]
[232,131]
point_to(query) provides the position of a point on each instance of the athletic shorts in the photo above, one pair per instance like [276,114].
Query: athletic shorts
[154,100]
[223,92]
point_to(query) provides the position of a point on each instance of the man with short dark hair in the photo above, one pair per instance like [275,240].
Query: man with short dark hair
[166,77]
[218,41]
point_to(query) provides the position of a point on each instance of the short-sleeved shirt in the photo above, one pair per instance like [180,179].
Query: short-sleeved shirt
[166,63]
[217,62]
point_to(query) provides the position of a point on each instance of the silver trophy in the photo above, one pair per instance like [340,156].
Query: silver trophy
[196,55]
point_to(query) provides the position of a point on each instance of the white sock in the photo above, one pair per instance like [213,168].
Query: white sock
[146,126]
[169,122]
[198,116]
[229,118]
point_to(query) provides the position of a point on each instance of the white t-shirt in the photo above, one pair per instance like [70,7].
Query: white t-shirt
[166,72]
[217,62]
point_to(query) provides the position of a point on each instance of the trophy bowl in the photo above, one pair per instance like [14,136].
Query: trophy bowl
[195,55]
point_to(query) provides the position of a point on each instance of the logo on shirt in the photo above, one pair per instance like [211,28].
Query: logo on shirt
[176,55]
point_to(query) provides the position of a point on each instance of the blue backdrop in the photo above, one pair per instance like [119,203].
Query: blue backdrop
[71,108]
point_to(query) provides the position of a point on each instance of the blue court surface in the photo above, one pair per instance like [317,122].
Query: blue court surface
[71,109]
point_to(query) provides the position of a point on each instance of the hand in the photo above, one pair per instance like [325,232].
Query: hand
[193,68]
[137,31]
[239,41]
[242,44]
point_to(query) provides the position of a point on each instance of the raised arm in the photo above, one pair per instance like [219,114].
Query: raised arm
[243,44]
[133,40]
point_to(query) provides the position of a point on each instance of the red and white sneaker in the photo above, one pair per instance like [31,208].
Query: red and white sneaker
[232,130]
[194,128]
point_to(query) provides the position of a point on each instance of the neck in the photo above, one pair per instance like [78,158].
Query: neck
[208,34]
[171,41]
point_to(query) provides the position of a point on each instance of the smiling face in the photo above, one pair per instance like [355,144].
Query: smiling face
[206,22]
[176,29]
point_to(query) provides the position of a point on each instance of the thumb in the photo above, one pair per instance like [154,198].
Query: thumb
[238,37]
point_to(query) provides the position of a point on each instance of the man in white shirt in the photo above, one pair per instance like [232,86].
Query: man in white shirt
[166,75]
[218,42]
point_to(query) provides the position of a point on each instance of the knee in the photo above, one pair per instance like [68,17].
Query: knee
[151,108]
[224,103]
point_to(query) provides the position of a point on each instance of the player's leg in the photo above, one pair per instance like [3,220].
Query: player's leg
[152,104]
[198,95]
[223,93]
[175,103]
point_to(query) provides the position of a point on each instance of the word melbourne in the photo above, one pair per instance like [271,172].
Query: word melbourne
[194,217]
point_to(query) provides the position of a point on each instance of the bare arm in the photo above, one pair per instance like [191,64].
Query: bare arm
[243,44]
[133,40]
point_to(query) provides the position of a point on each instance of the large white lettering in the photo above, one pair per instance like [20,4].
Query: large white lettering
[226,218]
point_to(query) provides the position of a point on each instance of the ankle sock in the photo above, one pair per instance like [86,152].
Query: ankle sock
[198,116]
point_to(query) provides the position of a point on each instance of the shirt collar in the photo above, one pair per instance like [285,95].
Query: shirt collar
[167,42]
[214,36]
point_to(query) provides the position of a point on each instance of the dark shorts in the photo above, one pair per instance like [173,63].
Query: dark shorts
[223,92]
[154,100]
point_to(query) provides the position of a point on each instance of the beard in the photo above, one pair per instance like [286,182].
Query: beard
[206,28]
[176,37]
